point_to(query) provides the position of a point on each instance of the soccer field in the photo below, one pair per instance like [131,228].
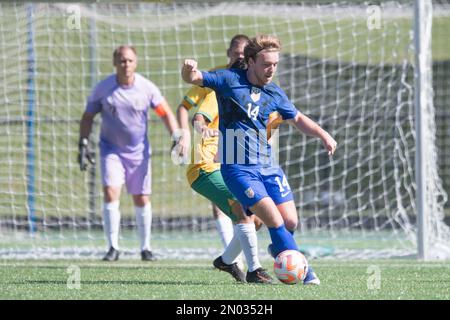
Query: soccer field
[184,270]
[198,280]
[358,210]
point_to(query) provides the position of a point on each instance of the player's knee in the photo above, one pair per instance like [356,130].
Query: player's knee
[111,194]
[291,224]
[258,222]
[244,219]
[238,211]
[216,212]
[141,200]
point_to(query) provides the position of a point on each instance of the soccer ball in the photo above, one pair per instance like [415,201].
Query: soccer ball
[290,266]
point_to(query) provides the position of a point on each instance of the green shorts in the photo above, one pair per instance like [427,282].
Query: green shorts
[211,186]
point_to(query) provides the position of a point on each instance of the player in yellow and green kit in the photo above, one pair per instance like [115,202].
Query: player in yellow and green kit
[204,176]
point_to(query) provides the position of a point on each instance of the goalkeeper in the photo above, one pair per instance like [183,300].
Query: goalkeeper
[123,100]
[204,176]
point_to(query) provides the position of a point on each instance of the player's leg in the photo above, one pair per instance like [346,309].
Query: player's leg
[245,229]
[112,180]
[282,239]
[212,186]
[289,213]
[138,182]
[143,215]
[280,191]
[111,221]
[247,185]
[268,212]
[246,232]
[224,225]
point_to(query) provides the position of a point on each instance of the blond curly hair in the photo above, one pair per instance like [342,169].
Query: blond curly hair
[259,43]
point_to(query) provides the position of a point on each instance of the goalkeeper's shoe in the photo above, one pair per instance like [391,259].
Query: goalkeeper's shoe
[232,269]
[311,277]
[111,255]
[147,255]
[258,276]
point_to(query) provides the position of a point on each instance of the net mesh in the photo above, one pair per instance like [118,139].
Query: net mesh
[348,66]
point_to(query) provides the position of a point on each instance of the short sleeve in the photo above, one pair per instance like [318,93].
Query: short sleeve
[94,101]
[156,96]
[209,107]
[216,80]
[195,96]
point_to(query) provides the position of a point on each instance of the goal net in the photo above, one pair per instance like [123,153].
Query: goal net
[349,66]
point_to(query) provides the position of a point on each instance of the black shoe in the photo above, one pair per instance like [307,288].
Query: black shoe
[258,276]
[147,255]
[112,255]
[232,269]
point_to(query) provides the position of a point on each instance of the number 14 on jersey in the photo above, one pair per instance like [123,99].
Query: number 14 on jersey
[252,111]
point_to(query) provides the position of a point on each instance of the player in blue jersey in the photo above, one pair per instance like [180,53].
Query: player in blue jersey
[246,98]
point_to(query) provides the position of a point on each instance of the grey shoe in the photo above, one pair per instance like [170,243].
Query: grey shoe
[111,255]
[147,255]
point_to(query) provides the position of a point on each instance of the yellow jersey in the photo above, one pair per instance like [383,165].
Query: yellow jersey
[203,150]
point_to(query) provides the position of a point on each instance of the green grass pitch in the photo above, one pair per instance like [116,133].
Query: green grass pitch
[404,279]
[198,280]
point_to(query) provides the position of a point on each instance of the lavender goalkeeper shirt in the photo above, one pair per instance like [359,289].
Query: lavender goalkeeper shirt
[124,112]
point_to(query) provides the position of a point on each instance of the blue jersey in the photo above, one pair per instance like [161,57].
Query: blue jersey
[244,111]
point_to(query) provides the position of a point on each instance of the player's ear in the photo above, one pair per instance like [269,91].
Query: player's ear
[250,61]
[115,57]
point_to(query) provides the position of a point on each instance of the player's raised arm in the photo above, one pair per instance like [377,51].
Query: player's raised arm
[190,73]
[309,127]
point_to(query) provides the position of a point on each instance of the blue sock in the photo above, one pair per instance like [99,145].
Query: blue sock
[309,274]
[282,239]
[271,247]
